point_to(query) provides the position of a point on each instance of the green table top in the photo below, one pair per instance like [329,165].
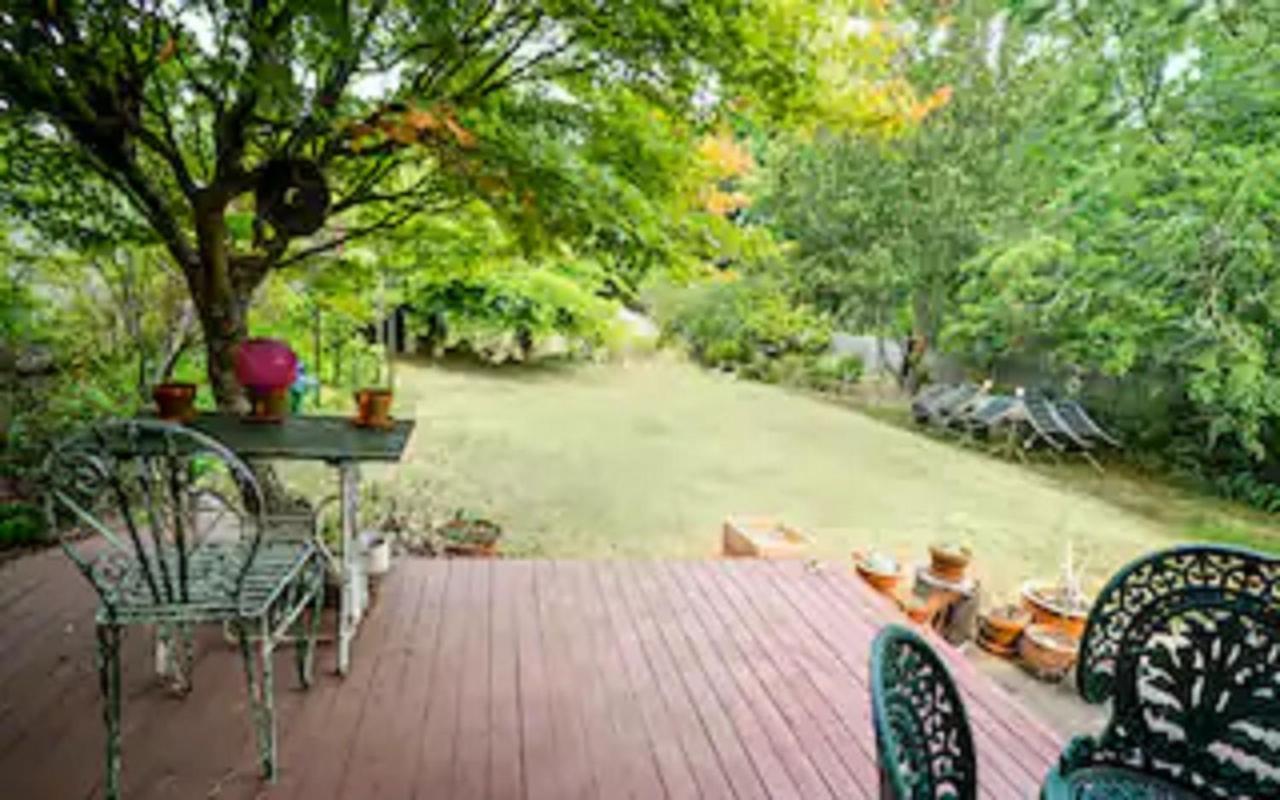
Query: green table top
[307,438]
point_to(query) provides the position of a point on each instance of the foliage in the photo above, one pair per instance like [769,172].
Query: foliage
[20,524]
[745,324]
[504,313]
[1096,198]
[835,372]
[245,138]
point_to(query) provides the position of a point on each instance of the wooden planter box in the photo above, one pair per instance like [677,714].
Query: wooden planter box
[762,537]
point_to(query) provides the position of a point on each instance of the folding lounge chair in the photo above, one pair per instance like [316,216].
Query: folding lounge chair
[1075,415]
[1047,424]
[951,402]
[922,404]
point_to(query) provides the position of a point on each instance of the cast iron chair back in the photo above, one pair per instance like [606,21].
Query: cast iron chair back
[153,493]
[1186,644]
[923,741]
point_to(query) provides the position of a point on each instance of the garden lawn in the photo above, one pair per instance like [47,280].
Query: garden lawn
[645,459]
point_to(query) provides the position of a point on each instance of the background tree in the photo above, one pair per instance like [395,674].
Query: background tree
[246,136]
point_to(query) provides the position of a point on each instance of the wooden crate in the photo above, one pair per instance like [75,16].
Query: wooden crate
[762,537]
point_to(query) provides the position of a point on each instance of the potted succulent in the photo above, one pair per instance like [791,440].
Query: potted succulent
[1000,628]
[175,401]
[466,535]
[1062,605]
[1047,652]
[266,368]
[880,570]
[948,561]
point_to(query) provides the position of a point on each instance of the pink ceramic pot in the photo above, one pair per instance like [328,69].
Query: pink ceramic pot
[263,365]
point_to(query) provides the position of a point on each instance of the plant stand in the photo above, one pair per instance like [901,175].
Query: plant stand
[949,608]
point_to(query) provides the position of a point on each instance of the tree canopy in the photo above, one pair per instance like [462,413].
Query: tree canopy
[246,136]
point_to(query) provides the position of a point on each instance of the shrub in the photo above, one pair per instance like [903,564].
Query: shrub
[20,524]
[834,372]
[745,325]
[504,312]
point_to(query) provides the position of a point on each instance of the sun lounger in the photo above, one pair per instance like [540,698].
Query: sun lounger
[1075,415]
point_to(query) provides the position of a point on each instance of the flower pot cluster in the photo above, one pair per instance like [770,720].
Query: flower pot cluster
[942,582]
[1042,631]
[268,371]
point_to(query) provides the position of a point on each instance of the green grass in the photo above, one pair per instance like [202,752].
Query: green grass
[645,459]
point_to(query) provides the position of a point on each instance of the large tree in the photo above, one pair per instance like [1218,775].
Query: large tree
[246,136]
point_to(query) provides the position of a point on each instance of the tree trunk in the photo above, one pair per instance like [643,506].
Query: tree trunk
[221,305]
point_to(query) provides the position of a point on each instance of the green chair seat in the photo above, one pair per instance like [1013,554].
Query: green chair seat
[214,569]
[1112,783]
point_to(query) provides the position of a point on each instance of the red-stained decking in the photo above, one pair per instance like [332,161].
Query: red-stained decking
[479,679]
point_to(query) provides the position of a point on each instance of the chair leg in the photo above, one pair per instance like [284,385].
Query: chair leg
[261,694]
[309,631]
[109,682]
[175,656]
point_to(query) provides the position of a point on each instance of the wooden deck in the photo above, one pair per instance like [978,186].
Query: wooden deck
[502,679]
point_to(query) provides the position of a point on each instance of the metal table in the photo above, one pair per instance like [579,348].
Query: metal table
[335,441]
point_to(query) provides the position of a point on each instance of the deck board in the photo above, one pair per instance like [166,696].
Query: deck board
[503,679]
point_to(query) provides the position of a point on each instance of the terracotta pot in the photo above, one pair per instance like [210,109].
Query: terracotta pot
[267,405]
[1047,652]
[881,571]
[1002,626]
[175,402]
[373,408]
[463,550]
[1047,610]
[474,538]
[948,562]
[882,582]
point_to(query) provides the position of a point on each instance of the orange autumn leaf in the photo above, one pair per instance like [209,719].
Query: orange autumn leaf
[728,158]
[722,203]
[422,120]
[461,135]
[166,52]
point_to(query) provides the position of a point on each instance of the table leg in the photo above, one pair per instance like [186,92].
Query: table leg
[349,602]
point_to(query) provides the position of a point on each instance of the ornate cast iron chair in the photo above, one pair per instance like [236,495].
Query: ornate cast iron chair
[167,524]
[1185,643]
[923,741]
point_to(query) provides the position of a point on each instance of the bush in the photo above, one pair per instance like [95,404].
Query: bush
[20,524]
[746,325]
[505,312]
[833,372]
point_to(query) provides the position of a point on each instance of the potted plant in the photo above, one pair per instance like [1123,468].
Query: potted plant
[1047,652]
[373,408]
[266,368]
[880,570]
[466,535]
[175,401]
[999,628]
[948,561]
[1062,605]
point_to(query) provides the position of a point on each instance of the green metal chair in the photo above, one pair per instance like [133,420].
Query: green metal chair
[923,742]
[167,524]
[1185,643]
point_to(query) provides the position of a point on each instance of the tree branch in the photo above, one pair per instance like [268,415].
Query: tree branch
[391,219]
